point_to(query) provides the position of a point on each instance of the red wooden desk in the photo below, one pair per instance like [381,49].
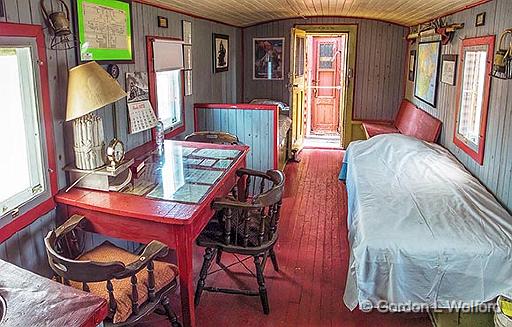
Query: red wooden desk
[142,218]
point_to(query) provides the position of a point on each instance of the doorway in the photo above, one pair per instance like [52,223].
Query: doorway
[325,62]
[322,58]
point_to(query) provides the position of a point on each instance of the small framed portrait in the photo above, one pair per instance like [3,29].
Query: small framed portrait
[412,65]
[187,31]
[163,22]
[449,69]
[268,58]
[480,19]
[220,53]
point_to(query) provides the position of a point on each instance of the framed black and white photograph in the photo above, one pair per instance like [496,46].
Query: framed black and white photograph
[412,65]
[220,53]
[449,69]
[268,58]
[480,19]
[188,82]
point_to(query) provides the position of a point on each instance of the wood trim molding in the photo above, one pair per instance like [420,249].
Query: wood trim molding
[488,41]
[152,86]
[36,32]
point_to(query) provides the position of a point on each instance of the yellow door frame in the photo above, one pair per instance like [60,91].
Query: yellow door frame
[348,101]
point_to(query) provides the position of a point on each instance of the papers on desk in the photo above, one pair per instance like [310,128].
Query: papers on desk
[223,164]
[187,151]
[217,153]
[202,176]
[192,193]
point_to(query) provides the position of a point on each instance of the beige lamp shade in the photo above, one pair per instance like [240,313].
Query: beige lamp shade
[90,87]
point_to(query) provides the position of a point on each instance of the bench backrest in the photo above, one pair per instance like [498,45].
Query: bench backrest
[413,121]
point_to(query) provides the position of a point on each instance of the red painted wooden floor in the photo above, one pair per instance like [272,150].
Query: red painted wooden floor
[313,257]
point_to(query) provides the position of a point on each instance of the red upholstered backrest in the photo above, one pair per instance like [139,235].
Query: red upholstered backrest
[415,122]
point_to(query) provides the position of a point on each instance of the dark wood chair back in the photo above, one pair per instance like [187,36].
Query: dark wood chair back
[65,245]
[213,137]
[252,220]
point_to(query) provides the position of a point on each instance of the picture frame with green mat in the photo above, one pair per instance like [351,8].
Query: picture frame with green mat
[104,31]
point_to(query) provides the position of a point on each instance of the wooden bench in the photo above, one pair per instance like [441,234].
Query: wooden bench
[411,121]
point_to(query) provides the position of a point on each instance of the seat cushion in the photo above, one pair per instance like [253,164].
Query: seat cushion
[373,129]
[165,273]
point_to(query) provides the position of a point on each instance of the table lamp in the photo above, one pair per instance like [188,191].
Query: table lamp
[90,88]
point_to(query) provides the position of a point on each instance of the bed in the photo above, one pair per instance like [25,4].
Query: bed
[422,230]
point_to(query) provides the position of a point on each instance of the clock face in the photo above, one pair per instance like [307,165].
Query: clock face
[115,152]
[118,152]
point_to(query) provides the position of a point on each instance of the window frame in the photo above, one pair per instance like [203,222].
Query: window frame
[152,87]
[44,202]
[458,139]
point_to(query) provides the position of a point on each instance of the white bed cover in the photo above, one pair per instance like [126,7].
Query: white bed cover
[422,229]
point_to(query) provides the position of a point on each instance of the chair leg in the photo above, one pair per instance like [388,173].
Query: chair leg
[170,313]
[218,257]
[208,258]
[274,260]
[261,283]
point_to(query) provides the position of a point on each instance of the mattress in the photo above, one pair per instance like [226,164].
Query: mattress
[422,230]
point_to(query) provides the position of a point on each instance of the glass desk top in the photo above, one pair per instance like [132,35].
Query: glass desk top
[182,173]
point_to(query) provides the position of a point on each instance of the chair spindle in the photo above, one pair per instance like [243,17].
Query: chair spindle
[151,281]
[111,299]
[135,294]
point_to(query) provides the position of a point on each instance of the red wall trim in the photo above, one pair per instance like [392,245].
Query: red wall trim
[478,155]
[170,8]
[245,106]
[152,86]
[35,31]
[26,219]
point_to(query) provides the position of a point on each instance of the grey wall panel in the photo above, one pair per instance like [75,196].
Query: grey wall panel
[496,171]
[381,54]
[253,127]
[26,248]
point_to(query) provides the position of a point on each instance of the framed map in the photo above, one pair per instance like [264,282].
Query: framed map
[104,30]
[427,72]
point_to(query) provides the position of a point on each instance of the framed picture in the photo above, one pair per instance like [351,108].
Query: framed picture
[412,65]
[187,57]
[187,32]
[268,55]
[427,72]
[220,53]
[104,30]
[480,19]
[449,69]
[188,82]
[163,22]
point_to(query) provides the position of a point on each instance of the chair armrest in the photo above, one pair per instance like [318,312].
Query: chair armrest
[230,203]
[154,249]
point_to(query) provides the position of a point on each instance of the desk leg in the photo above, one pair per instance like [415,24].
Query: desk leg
[184,254]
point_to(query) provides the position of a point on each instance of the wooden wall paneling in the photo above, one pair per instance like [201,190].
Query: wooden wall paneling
[26,248]
[496,171]
[379,84]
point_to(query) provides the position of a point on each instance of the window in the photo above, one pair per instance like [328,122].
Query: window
[473,96]
[169,98]
[21,171]
[165,63]
[27,169]
[325,55]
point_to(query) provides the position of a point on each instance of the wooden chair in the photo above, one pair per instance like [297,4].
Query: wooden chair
[134,286]
[246,226]
[213,137]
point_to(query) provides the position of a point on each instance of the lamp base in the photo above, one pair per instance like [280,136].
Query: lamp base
[89,142]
